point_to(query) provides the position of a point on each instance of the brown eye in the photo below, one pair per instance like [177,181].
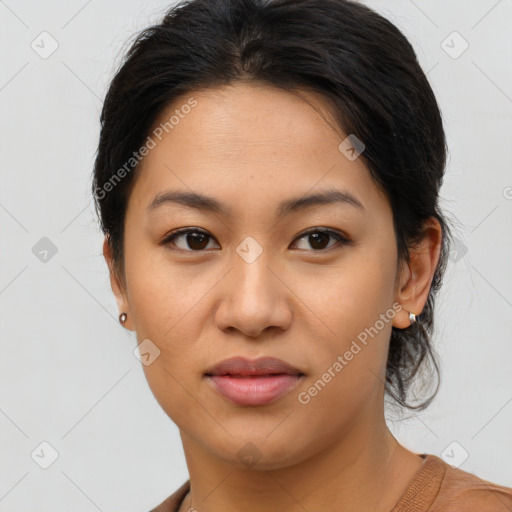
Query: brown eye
[194,240]
[190,240]
[319,239]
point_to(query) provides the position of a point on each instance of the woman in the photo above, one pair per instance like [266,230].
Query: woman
[267,180]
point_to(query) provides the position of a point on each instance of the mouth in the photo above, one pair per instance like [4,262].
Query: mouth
[253,382]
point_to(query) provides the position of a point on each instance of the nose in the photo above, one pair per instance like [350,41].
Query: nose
[254,298]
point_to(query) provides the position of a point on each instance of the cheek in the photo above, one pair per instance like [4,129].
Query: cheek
[355,314]
[164,296]
[168,308]
[349,359]
[352,298]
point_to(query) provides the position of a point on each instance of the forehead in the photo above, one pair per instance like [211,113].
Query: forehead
[251,144]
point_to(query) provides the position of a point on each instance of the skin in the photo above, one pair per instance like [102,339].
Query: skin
[250,147]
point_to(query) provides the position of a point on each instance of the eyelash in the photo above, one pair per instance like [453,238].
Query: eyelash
[336,235]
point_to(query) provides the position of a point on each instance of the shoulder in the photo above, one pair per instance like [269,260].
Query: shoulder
[464,491]
[173,502]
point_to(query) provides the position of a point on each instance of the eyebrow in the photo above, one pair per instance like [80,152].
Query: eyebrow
[209,204]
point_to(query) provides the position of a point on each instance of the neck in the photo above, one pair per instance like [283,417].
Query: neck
[364,469]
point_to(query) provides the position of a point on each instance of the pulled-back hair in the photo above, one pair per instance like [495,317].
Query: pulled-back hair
[360,63]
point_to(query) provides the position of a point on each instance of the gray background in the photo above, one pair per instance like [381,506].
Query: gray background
[68,375]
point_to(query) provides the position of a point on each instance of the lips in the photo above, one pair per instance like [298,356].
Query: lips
[240,366]
[253,382]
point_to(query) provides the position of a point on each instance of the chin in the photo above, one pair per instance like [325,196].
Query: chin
[261,451]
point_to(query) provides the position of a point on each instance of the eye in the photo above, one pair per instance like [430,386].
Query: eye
[194,238]
[197,240]
[318,238]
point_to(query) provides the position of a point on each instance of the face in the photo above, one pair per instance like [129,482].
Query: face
[311,283]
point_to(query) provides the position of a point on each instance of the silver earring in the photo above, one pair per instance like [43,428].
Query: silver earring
[412,317]
[122,318]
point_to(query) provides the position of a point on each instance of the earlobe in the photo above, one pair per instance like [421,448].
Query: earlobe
[419,273]
[122,318]
[403,318]
[115,284]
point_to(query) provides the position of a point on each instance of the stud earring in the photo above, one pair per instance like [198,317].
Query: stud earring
[122,318]
[412,317]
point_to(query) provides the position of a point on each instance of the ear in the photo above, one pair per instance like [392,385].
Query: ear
[416,276]
[116,284]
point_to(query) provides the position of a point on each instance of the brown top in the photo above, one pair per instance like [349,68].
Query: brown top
[436,487]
